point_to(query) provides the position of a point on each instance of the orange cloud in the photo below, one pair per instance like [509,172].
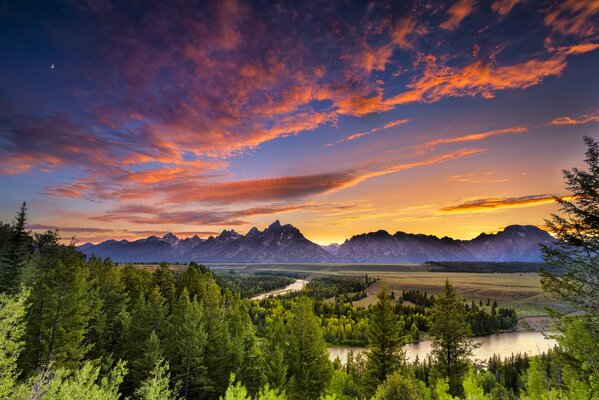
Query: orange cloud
[473,136]
[456,13]
[374,130]
[580,48]
[405,28]
[574,17]
[477,78]
[503,7]
[575,120]
[493,203]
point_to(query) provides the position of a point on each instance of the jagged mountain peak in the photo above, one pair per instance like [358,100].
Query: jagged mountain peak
[170,238]
[286,243]
[252,232]
[274,226]
[228,235]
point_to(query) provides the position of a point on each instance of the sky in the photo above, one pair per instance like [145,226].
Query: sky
[123,119]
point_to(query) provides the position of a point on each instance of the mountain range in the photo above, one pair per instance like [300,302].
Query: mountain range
[286,244]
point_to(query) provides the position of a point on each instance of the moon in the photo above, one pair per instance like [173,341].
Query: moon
[52,66]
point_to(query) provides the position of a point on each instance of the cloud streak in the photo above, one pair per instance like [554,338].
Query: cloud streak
[584,119]
[456,13]
[497,203]
[358,135]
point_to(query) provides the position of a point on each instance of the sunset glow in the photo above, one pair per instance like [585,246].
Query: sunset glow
[444,118]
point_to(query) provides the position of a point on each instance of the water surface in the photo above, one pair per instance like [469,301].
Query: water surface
[293,287]
[504,344]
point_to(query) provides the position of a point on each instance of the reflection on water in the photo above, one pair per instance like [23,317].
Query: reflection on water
[504,344]
[294,287]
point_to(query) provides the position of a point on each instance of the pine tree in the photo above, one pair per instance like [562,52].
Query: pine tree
[59,307]
[252,367]
[576,256]
[148,318]
[218,354]
[384,354]
[308,358]
[12,329]
[397,386]
[111,318]
[275,363]
[451,346]
[164,279]
[17,254]
[156,385]
[188,346]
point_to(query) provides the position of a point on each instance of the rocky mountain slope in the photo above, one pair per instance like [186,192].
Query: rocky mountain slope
[286,244]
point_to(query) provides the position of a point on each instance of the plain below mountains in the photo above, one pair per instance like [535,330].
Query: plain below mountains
[286,244]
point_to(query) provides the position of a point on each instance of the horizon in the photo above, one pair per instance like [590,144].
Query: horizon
[188,235]
[450,119]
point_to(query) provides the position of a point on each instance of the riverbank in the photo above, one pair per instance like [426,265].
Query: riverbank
[503,344]
[296,286]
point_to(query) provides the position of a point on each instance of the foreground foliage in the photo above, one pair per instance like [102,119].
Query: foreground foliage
[77,328]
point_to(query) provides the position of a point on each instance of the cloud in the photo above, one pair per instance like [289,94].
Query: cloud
[456,13]
[584,119]
[495,203]
[73,229]
[473,136]
[476,178]
[477,78]
[503,7]
[580,48]
[374,130]
[574,17]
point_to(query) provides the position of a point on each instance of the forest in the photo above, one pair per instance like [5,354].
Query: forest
[73,327]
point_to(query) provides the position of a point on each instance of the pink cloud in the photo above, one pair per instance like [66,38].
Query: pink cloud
[456,13]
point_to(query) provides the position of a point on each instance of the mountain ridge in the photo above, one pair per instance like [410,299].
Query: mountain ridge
[286,244]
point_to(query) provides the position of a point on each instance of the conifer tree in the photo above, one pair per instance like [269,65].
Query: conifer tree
[12,329]
[59,307]
[573,273]
[275,363]
[111,318]
[16,254]
[384,354]
[164,279]
[188,346]
[451,346]
[251,369]
[218,357]
[157,385]
[308,358]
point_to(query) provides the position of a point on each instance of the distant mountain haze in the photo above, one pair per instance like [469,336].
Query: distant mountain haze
[286,244]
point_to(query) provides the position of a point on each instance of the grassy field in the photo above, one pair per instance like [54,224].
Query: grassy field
[521,291]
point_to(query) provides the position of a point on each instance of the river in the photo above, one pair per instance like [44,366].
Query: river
[293,287]
[504,344]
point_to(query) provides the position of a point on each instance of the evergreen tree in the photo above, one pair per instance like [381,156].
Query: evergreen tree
[397,386]
[111,318]
[217,357]
[164,279]
[149,321]
[17,253]
[252,367]
[12,329]
[188,346]
[59,307]
[576,256]
[156,385]
[137,281]
[275,363]
[75,384]
[308,358]
[384,354]
[451,346]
